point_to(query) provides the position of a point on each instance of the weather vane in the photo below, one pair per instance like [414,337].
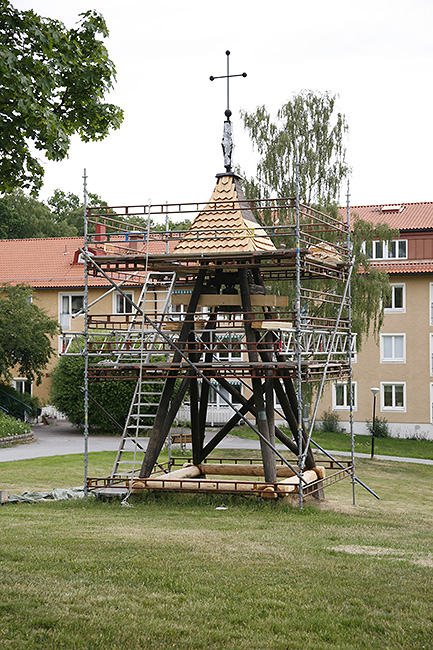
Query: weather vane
[227,142]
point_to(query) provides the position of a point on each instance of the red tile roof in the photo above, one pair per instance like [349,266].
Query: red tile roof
[48,263]
[402,216]
[406,267]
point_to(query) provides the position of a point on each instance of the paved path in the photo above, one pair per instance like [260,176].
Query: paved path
[63,439]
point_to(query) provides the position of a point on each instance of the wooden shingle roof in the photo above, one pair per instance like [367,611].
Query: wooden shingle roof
[226,225]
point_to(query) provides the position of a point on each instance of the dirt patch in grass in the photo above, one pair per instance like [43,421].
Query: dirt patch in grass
[380,551]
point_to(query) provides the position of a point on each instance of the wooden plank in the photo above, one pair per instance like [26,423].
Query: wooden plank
[165,482]
[232,469]
[272,325]
[227,300]
[292,484]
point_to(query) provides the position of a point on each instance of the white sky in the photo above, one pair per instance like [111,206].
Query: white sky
[377,55]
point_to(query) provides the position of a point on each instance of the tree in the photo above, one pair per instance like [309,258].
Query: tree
[25,333]
[307,130]
[22,217]
[53,82]
[67,209]
[66,394]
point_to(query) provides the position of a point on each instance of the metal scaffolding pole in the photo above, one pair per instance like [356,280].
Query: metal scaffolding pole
[349,354]
[86,337]
[299,335]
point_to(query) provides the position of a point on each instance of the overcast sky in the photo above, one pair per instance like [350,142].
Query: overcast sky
[377,55]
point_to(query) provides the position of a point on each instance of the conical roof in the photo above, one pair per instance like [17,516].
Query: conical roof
[226,225]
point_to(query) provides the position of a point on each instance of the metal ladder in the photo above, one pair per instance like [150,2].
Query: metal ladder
[155,300]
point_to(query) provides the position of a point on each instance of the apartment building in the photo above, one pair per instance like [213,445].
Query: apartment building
[400,361]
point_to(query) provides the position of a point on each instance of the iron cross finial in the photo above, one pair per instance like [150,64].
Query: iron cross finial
[227,142]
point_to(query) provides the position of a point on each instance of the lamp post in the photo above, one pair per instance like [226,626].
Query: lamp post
[375,392]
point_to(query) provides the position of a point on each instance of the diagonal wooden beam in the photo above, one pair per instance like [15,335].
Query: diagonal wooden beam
[268,456]
[159,431]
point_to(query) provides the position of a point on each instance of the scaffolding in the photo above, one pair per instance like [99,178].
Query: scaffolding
[252,312]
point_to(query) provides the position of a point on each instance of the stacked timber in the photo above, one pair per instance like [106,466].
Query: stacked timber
[193,478]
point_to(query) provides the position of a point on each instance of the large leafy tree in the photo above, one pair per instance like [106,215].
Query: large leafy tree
[25,334]
[66,394]
[22,217]
[308,132]
[67,209]
[53,82]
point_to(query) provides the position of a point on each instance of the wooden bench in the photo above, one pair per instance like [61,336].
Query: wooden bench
[181,438]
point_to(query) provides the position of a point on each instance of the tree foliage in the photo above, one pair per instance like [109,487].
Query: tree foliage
[25,334]
[66,394]
[308,131]
[53,82]
[23,217]
[68,209]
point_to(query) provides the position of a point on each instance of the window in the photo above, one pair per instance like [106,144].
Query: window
[216,399]
[122,304]
[397,249]
[393,397]
[65,341]
[431,355]
[431,303]
[22,385]
[393,348]
[70,304]
[397,301]
[228,346]
[340,396]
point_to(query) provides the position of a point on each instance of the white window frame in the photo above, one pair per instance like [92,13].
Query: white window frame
[118,297]
[392,359]
[386,249]
[65,318]
[19,380]
[431,403]
[393,309]
[346,405]
[431,304]
[216,400]
[64,340]
[234,339]
[400,409]
[431,355]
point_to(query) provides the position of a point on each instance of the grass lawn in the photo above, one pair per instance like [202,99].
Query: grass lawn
[175,572]
[382,446]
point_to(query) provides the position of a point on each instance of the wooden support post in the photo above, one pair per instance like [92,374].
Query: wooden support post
[159,431]
[270,411]
[250,406]
[268,456]
[291,393]
[205,387]
[197,440]
[289,402]
[226,429]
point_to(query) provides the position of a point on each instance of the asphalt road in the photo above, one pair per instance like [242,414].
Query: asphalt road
[62,439]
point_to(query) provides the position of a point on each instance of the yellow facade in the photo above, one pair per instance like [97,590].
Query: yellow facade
[400,357]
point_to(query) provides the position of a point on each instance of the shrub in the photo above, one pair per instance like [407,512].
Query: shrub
[66,394]
[13,407]
[381,429]
[11,427]
[331,423]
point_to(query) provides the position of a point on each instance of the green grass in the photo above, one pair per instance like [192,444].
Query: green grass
[341,442]
[174,572]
